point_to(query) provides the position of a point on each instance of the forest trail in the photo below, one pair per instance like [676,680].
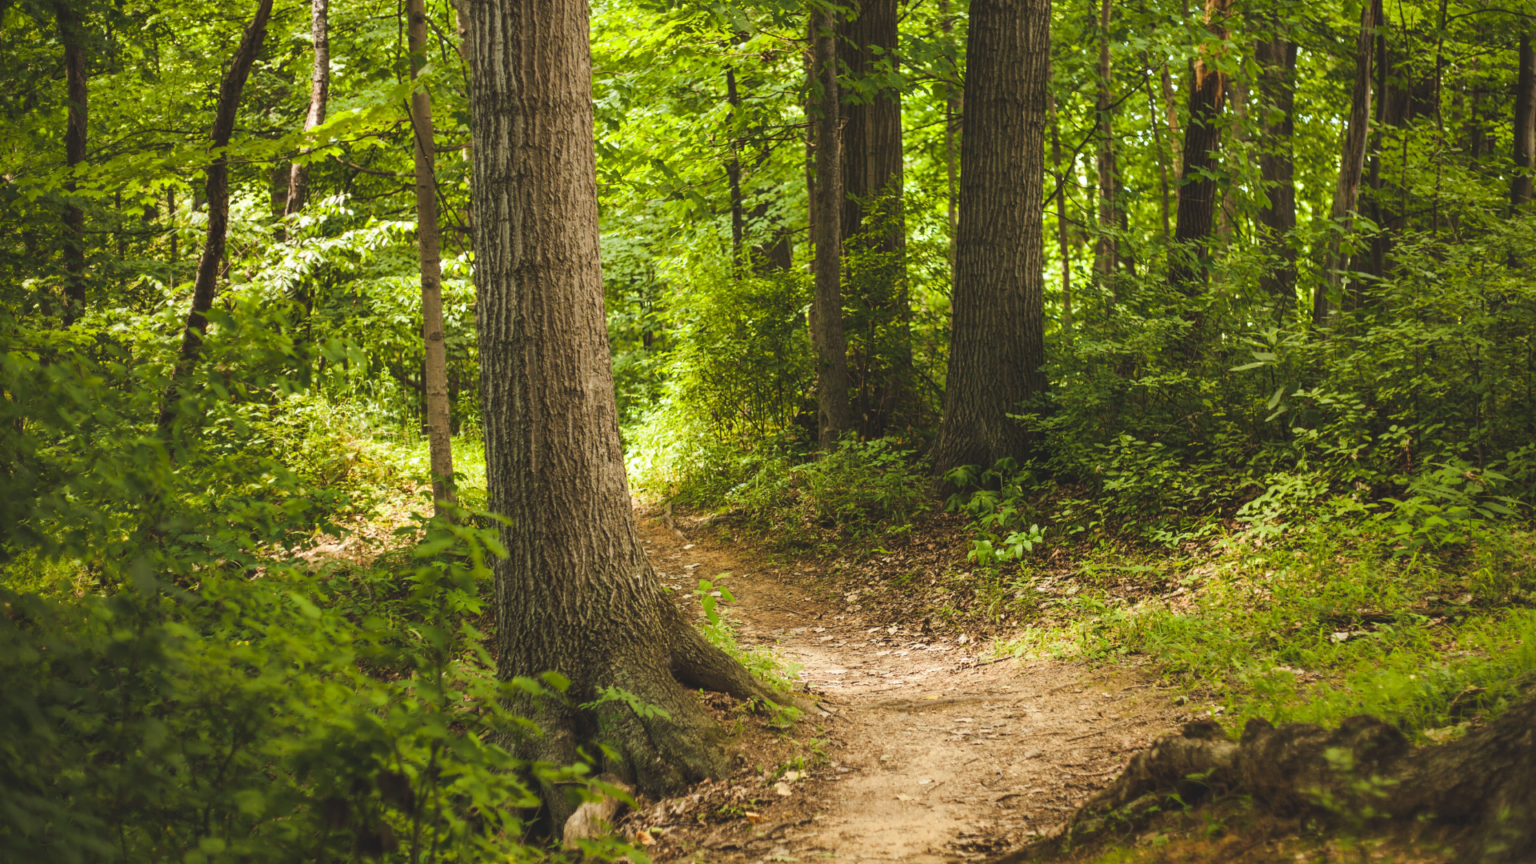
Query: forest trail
[932,754]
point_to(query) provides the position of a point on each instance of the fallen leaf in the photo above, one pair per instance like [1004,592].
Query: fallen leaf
[753,817]
[783,789]
[644,838]
[905,798]
[792,776]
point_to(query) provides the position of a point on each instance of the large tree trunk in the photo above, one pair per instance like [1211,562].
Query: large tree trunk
[216,189]
[576,594]
[1346,196]
[1107,249]
[832,408]
[1484,783]
[319,93]
[76,84]
[873,223]
[435,371]
[1276,56]
[997,344]
[1525,126]
[1196,213]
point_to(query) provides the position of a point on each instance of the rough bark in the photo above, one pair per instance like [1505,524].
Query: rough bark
[1346,196]
[1483,784]
[833,414]
[576,594]
[997,324]
[1276,57]
[216,190]
[71,33]
[319,94]
[435,369]
[1525,127]
[1196,212]
[873,223]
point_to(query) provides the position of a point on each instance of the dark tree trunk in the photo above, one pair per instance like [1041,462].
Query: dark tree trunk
[1483,784]
[873,224]
[1346,196]
[435,366]
[997,345]
[576,594]
[216,189]
[832,408]
[71,33]
[1525,127]
[1276,56]
[319,94]
[1196,213]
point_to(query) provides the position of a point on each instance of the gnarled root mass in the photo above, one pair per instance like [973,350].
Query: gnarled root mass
[1363,773]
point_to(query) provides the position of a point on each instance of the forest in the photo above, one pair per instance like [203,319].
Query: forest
[755,430]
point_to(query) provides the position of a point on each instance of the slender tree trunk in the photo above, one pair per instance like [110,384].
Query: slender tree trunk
[435,370]
[1276,56]
[873,223]
[1525,126]
[216,189]
[833,415]
[76,83]
[575,594]
[952,110]
[1157,145]
[1063,241]
[1346,197]
[1107,249]
[319,94]
[733,177]
[1196,214]
[997,345]
[1171,107]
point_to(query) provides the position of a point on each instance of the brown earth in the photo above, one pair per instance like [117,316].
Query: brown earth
[928,750]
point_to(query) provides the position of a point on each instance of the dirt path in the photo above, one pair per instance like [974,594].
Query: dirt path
[931,753]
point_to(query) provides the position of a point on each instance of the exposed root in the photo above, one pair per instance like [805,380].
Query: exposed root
[1364,772]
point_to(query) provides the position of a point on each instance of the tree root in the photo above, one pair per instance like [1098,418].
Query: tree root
[1364,773]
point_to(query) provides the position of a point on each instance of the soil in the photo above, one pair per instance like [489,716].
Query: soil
[928,749]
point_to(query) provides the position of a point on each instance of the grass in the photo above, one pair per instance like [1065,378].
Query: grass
[1335,624]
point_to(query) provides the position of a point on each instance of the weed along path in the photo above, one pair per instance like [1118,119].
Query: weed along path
[926,752]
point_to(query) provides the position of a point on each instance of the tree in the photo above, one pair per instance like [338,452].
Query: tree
[1196,213]
[1346,196]
[76,76]
[319,94]
[997,341]
[435,371]
[216,189]
[832,410]
[1111,219]
[1525,126]
[873,222]
[575,594]
[1276,56]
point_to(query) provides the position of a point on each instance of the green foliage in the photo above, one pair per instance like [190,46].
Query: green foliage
[284,718]
[1338,624]
[864,492]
